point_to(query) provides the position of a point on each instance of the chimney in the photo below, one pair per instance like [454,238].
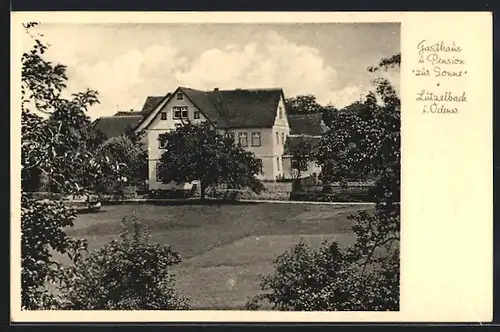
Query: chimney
[216,89]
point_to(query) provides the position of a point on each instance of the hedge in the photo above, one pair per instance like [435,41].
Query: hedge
[346,195]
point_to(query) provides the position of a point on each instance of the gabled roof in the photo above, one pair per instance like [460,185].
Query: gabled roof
[151,102]
[251,108]
[204,103]
[240,108]
[306,124]
[127,113]
[111,126]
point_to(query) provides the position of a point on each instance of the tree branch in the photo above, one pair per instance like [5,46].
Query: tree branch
[372,251]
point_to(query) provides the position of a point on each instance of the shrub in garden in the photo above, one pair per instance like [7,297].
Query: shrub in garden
[128,273]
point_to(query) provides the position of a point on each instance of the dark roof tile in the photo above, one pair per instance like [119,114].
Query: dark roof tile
[151,102]
[112,126]
[306,124]
[247,108]
[312,142]
[203,101]
[127,113]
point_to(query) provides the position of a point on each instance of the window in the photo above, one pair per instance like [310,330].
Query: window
[278,138]
[161,143]
[180,112]
[163,115]
[297,165]
[243,139]
[278,163]
[283,138]
[196,114]
[158,177]
[230,135]
[179,96]
[281,112]
[256,139]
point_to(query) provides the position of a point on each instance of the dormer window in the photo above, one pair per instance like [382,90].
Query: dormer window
[179,96]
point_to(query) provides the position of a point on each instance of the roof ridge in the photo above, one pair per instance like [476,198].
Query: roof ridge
[248,89]
[119,116]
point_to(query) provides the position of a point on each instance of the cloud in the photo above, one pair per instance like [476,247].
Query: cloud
[126,77]
[124,82]
[276,62]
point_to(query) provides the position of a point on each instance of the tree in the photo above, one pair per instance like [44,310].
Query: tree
[198,152]
[365,275]
[303,104]
[57,140]
[129,160]
[52,143]
[344,150]
[302,150]
[129,273]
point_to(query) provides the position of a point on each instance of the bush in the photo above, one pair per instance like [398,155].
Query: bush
[128,273]
[229,194]
[352,195]
[42,231]
[171,194]
[325,280]
[39,195]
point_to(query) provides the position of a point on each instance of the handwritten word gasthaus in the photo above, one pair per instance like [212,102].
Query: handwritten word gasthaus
[437,47]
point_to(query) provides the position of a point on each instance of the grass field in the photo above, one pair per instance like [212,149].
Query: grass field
[225,248]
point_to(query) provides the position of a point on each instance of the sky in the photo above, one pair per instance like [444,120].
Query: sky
[126,63]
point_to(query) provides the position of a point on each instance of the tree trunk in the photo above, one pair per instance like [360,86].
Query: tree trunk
[203,189]
[89,205]
[296,181]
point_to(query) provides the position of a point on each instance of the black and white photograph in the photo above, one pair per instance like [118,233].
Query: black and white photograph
[210,166]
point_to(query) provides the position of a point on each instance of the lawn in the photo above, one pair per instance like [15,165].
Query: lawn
[225,248]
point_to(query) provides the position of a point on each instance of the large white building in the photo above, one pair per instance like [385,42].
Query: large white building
[256,118]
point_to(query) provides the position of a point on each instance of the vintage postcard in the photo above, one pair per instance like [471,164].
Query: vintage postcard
[251,167]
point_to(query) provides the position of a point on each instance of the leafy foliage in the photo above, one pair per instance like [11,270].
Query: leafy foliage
[302,150]
[55,142]
[128,273]
[128,157]
[198,152]
[42,231]
[319,280]
[59,144]
[363,140]
[303,104]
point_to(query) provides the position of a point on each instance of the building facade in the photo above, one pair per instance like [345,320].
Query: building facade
[256,118]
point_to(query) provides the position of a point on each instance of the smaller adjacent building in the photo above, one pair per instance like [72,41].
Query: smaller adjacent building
[256,118]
